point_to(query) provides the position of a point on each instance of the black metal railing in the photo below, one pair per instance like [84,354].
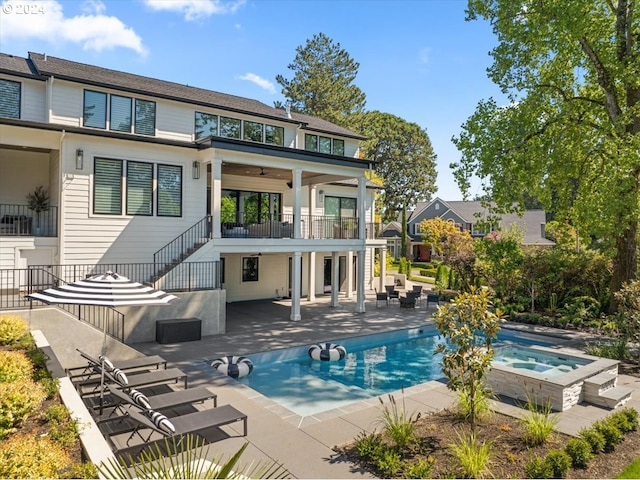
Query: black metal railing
[246,225]
[178,249]
[20,220]
[373,231]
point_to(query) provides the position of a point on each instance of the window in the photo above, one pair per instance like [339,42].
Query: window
[324,145]
[254,131]
[274,135]
[145,117]
[249,207]
[206,124]
[169,191]
[107,186]
[338,147]
[95,109]
[10,98]
[230,127]
[310,142]
[222,269]
[120,118]
[340,207]
[249,269]
[139,188]
[313,143]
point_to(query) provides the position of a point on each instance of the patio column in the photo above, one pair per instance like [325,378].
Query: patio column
[296,265]
[349,272]
[216,196]
[297,202]
[335,278]
[383,268]
[360,287]
[311,288]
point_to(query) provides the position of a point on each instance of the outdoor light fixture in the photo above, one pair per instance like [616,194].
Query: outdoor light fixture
[196,170]
[321,196]
[79,159]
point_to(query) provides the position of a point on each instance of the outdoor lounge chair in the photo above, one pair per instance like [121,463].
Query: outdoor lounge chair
[191,423]
[417,289]
[136,380]
[139,363]
[163,401]
[408,301]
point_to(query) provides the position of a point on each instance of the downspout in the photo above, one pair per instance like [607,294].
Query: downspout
[61,182]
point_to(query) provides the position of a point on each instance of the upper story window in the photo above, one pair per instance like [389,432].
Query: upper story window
[118,110]
[209,124]
[10,93]
[111,188]
[315,143]
[343,207]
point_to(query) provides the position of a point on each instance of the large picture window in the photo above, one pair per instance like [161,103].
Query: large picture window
[120,118]
[107,186]
[95,109]
[206,124]
[139,188]
[145,117]
[230,127]
[10,98]
[254,131]
[249,269]
[249,207]
[274,135]
[169,191]
[315,143]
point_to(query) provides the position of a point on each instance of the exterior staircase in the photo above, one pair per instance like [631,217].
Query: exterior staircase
[601,390]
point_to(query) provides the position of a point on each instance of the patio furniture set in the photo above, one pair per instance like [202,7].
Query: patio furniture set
[122,401]
[405,298]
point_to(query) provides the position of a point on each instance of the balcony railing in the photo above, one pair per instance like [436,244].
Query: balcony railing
[20,220]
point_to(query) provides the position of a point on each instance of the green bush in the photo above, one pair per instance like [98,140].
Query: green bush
[81,470]
[12,329]
[626,420]
[369,446]
[538,468]
[26,457]
[419,469]
[14,365]
[51,386]
[580,452]
[428,272]
[559,463]
[398,425]
[472,455]
[390,463]
[539,423]
[612,435]
[17,400]
[594,438]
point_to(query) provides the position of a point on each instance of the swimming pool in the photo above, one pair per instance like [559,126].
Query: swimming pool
[374,365]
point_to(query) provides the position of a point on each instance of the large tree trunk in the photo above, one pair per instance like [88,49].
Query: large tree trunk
[403,240]
[625,263]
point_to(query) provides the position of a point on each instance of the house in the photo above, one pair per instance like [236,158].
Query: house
[201,190]
[468,215]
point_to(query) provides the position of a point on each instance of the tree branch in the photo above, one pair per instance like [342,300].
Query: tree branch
[613,108]
[568,98]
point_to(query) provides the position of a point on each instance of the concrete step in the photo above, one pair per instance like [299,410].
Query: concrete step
[598,384]
[612,398]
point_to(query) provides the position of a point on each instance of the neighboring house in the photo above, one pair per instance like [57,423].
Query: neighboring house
[146,171]
[468,215]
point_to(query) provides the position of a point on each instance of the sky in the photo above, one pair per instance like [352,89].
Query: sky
[419,59]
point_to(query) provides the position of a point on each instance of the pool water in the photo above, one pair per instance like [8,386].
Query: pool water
[537,361]
[374,365]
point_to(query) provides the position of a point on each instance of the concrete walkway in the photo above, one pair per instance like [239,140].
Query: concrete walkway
[303,444]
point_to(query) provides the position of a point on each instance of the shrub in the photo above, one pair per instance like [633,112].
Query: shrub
[538,468]
[12,329]
[369,446]
[539,423]
[612,435]
[594,438]
[14,365]
[390,463]
[26,457]
[626,420]
[482,402]
[399,426]
[17,400]
[51,386]
[559,463]
[63,429]
[580,452]
[473,456]
[420,469]
[82,470]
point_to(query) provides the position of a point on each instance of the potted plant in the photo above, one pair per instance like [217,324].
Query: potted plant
[38,201]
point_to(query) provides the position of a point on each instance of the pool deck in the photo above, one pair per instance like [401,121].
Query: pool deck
[303,444]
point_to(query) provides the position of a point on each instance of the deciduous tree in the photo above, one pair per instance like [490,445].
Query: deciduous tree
[570,135]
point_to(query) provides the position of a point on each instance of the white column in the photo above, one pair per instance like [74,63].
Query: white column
[296,265]
[383,268]
[360,287]
[297,202]
[216,195]
[311,293]
[335,278]
[362,219]
[349,272]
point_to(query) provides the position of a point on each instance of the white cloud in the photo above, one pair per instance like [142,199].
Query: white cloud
[92,30]
[261,82]
[196,9]
[424,55]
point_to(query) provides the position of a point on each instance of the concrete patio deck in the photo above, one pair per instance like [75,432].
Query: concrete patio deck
[303,444]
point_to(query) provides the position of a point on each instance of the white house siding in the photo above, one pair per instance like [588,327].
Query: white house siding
[66,103]
[272,275]
[33,101]
[93,238]
[174,121]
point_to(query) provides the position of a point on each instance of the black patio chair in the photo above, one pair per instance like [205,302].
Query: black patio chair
[392,292]
[382,297]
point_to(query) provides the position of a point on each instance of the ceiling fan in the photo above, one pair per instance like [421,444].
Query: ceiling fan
[262,174]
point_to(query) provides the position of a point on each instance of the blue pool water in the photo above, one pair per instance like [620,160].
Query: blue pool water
[374,365]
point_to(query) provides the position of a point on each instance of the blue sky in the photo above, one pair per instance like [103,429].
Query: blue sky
[419,59]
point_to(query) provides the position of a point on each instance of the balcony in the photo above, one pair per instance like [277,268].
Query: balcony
[21,221]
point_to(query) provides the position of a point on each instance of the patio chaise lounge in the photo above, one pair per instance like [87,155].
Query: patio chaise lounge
[179,426]
[131,364]
[134,380]
[159,402]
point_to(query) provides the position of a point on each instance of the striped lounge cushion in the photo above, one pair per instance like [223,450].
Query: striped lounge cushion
[140,399]
[108,364]
[120,376]
[162,422]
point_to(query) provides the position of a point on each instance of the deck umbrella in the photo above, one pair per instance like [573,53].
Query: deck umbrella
[108,290]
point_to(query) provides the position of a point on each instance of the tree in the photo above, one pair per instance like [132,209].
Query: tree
[570,136]
[404,157]
[435,232]
[322,84]
[469,327]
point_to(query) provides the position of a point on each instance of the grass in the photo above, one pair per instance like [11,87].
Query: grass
[632,470]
